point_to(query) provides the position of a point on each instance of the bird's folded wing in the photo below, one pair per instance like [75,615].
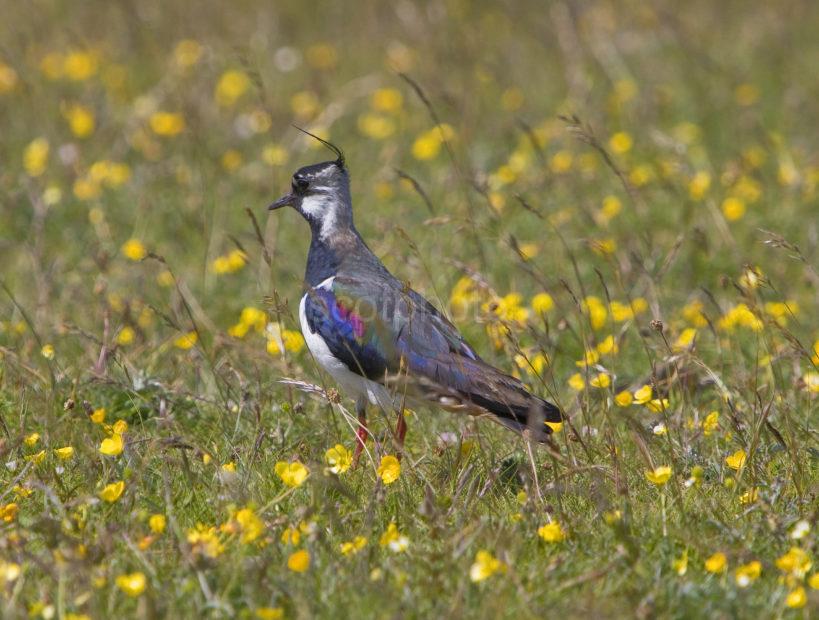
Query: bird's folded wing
[382,331]
[376,327]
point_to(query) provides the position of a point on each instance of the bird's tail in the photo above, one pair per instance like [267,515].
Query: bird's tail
[519,411]
[456,383]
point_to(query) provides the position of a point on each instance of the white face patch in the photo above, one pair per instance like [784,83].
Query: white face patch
[323,209]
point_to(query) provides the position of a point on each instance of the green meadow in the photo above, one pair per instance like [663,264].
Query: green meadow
[616,202]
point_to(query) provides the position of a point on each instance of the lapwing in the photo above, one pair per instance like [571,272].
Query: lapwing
[382,342]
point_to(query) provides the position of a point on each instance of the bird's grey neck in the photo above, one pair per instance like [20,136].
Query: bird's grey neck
[328,252]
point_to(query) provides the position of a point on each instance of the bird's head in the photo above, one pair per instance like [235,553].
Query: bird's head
[321,193]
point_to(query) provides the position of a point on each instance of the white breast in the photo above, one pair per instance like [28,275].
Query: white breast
[354,384]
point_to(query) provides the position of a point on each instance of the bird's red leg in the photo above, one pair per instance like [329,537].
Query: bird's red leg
[361,434]
[401,431]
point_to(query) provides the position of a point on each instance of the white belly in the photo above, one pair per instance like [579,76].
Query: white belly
[355,385]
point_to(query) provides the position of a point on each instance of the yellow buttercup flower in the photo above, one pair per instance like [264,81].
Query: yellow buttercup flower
[35,157]
[119,427]
[542,303]
[231,262]
[205,540]
[561,162]
[796,562]
[811,380]
[292,474]
[621,142]
[293,340]
[37,458]
[231,160]
[251,525]
[680,565]
[608,346]
[9,512]
[620,312]
[186,341]
[157,523]
[32,439]
[291,536]
[79,66]
[112,446]
[426,146]
[299,561]
[484,566]
[717,563]
[64,453]
[376,126]
[660,475]
[52,65]
[339,459]
[354,546]
[623,399]
[610,208]
[387,100]
[551,532]
[112,492]
[710,423]
[305,105]
[685,339]
[9,571]
[693,313]
[740,316]
[643,395]
[576,382]
[80,120]
[134,250]
[749,497]
[167,124]
[187,53]
[733,208]
[657,405]
[746,574]
[590,357]
[736,460]
[797,598]
[269,613]
[125,336]
[86,188]
[602,380]
[595,309]
[8,78]
[393,539]
[21,491]
[699,184]
[231,86]
[533,365]
[389,469]
[133,584]
[781,311]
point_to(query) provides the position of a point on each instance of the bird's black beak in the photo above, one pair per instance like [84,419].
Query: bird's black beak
[284,201]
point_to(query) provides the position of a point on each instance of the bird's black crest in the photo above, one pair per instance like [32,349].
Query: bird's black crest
[340,161]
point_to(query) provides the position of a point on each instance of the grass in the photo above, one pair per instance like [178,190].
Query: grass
[652,172]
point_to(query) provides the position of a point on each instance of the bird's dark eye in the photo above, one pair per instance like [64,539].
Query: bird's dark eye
[300,184]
